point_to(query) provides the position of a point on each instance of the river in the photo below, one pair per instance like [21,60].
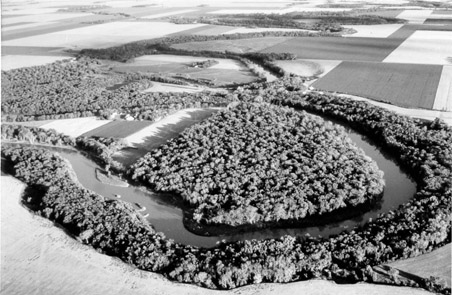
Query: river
[166,213]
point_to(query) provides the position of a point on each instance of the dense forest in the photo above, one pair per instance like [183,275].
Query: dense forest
[419,226]
[83,88]
[257,163]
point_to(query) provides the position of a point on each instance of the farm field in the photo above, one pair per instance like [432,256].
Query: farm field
[102,35]
[332,48]
[382,82]
[424,47]
[75,127]
[373,31]
[118,129]
[10,62]
[436,263]
[239,46]
[443,99]
[166,87]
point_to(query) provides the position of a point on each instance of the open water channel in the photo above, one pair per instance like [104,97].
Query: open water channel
[166,215]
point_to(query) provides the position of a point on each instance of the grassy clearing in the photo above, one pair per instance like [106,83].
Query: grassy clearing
[424,47]
[300,67]
[436,263]
[118,129]
[75,127]
[238,46]
[332,48]
[382,82]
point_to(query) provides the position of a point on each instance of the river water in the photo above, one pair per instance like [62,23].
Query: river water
[166,215]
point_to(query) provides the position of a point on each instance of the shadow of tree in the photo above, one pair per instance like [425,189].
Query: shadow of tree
[130,155]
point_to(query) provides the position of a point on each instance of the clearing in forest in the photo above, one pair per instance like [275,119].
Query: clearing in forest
[75,127]
[118,129]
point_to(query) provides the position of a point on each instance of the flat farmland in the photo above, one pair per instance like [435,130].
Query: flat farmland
[426,47]
[436,263]
[239,46]
[10,62]
[75,127]
[407,85]
[333,48]
[118,129]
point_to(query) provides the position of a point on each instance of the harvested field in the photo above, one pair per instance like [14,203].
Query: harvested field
[10,62]
[436,263]
[41,30]
[374,31]
[382,82]
[209,30]
[424,47]
[75,127]
[333,48]
[103,35]
[36,51]
[443,99]
[39,18]
[165,14]
[239,46]
[415,16]
[118,129]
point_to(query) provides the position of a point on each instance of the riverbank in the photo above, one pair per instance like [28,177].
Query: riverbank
[54,263]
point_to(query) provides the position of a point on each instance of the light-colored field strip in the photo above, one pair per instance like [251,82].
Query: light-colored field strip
[373,31]
[102,35]
[27,26]
[10,62]
[436,263]
[75,127]
[414,113]
[443,98]
[28,11]
[415,16]
[424,47]
[223,63]
[168,13]
[259,30]
[41,18]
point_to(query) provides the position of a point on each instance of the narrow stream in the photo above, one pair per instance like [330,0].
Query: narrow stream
[166,215]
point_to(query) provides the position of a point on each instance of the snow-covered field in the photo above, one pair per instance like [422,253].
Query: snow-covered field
[424,47]
[102,35]
[75,127]
[168,13]
[373,31]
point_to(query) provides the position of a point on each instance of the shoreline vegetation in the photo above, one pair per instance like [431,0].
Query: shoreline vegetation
[417,227]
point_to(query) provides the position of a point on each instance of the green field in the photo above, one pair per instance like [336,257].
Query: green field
[406,85]
[118,129]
